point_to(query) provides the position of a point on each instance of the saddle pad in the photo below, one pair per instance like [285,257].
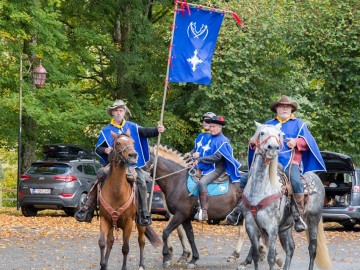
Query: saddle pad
[213,188]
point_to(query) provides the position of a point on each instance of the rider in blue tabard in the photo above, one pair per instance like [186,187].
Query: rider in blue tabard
[103,148]
[202,139]
[217,158]
[141,143]
[300,152]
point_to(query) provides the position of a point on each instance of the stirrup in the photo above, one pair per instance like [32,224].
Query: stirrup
[233,218]
[144,221]
[84,216]
[300,225]
[201,215]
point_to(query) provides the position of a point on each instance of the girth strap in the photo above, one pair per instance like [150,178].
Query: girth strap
[262,204]
[115,214]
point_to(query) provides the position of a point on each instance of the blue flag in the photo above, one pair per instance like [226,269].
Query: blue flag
[194,41]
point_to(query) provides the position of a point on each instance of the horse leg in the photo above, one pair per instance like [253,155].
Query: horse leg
[288,244]
[185,245]
[183,240]
[126,245]
[190,235]
[174,222]
[272,234]
[141,241]
[254,254]
[312,235]
[106,240]
[236,253]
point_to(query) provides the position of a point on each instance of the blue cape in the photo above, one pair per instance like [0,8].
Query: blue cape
[141,143]
[294,128]
[219,143]
[202,143]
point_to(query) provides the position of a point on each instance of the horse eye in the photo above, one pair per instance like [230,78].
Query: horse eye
[262,133]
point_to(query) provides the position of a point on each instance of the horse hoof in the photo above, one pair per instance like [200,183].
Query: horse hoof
[231,259]
[279,262]
[190,266]
[166,265]
[182,260]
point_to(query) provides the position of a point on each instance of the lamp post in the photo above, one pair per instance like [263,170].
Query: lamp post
[39,75]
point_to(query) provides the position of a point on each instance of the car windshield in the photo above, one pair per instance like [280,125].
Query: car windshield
[48,168]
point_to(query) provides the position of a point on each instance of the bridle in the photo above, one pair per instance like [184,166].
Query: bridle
[119,155]
[261,150]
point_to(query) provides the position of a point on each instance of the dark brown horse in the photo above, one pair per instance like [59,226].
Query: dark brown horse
[118,206]
[171,176]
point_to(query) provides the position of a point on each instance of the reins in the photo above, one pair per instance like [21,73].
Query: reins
[167,175]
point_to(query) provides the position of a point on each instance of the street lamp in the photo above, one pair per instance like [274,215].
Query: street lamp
[39,75]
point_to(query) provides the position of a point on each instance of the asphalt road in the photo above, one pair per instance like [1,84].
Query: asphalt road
[58,242]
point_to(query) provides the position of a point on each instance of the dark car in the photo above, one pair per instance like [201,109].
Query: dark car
[342,189]
[60,181]
[157,206]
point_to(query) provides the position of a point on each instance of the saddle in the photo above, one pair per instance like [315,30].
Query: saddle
[308,186]
[217,187]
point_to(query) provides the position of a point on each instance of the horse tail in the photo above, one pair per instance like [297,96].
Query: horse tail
[322,258]
[152,236]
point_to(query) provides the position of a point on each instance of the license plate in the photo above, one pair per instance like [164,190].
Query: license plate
[41,191]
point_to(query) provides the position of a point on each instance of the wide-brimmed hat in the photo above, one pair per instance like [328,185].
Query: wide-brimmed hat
[284,100]
[217,119]
[207,115]
[118,103]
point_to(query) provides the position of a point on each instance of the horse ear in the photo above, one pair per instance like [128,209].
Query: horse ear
[128,132]
[258,125]
[113,134]
[278,126]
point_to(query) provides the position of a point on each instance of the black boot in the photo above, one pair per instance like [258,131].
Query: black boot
[143,216]
[235,216]
[86,213]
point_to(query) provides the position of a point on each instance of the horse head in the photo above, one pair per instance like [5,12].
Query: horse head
[123,148]
[269,139]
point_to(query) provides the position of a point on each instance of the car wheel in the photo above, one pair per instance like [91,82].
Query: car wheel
[29,211]
[348,225]
[82,201]
[70,212]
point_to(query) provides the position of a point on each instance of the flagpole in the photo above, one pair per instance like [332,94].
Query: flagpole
[162,109]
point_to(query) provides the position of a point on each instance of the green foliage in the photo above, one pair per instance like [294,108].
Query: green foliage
[96,51]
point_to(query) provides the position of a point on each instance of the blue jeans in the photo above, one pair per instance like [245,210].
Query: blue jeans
[294,178]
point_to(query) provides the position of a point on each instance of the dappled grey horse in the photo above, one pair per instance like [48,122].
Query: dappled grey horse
[266,207]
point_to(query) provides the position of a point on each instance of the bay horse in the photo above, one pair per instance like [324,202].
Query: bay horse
[266,207]
[118,205]
[171,175]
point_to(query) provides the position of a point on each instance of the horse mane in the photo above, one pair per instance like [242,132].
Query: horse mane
[273,167]
[169,154]
[273,175]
